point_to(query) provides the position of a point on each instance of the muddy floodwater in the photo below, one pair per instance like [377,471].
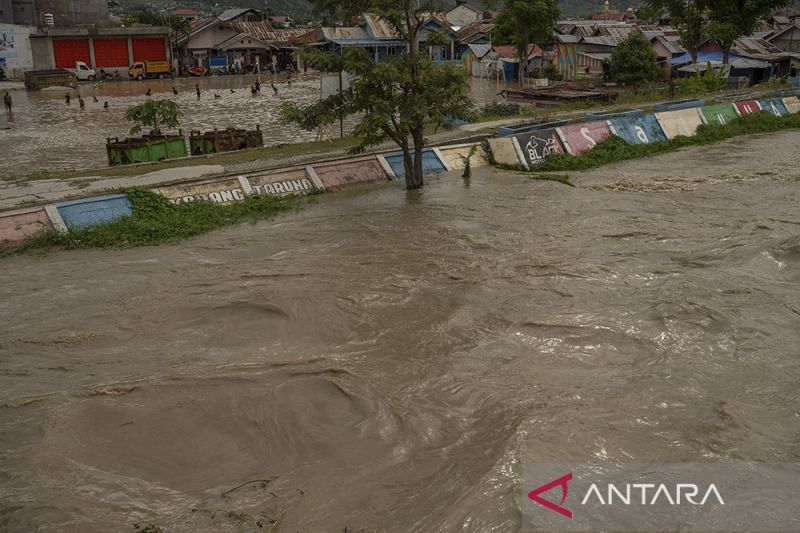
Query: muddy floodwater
[390,360]
[47,134]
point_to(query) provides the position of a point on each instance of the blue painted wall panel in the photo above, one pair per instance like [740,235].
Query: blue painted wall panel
[430,163]
[94,211]
[774,106]
[638,130]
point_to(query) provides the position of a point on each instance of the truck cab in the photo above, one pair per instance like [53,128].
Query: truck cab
[84,72]
[149,69]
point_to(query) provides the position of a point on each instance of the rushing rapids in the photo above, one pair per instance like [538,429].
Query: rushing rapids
[389,360]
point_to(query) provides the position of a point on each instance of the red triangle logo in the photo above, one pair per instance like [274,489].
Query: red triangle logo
[560,482]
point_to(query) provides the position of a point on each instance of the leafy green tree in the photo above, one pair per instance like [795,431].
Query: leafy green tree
[397,97]
[690,17]
[526,22]
[178,27]
[154,113]
[731,19]
[650,13]
[634,62]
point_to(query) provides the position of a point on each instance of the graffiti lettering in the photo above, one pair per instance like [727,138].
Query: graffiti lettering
[586,135]
[284,187]
[534,145]
[219,197]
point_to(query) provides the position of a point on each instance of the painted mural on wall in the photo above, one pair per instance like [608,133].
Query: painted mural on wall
[15,48]
[565,57]
[580,138]
[8,49]
[538,145]
[638,130]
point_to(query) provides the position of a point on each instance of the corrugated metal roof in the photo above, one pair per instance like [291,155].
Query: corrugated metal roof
[265,32]
[617,34]
[230,14]
[332,34]
[474,29]
[565,29]
[378,28]
[480,50]
[470,7]
[243,41]
[566,38]
[599,40]
[748,46]
[197,23]
[673,47]
[369,42]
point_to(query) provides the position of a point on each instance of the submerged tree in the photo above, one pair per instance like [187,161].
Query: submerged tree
[399,95]
[634,61]
[154,113]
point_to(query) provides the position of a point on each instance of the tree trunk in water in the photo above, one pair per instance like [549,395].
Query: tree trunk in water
[408,165]
[693,53]
[414,179]
[726,56]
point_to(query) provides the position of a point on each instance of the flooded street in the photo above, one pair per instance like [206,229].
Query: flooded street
[389,360]
[48,134]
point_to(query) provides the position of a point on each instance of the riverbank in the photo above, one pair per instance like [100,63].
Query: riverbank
[236,107]
[152,219]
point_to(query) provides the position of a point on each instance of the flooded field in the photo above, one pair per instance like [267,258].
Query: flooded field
[389,360]
[48,134]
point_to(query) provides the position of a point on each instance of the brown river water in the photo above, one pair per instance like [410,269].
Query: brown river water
[391,359]
[47,134]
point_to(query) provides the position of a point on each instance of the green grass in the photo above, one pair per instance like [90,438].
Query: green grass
[616,149]
[157,221]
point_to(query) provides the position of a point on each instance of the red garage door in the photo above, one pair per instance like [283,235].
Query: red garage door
[68,51]
[111,53]
[149,50]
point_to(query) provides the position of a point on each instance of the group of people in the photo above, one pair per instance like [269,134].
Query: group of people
[81,101]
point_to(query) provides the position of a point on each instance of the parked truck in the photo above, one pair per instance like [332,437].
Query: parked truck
[84,72]
[149,69]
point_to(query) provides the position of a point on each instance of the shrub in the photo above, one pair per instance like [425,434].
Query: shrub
[634,62]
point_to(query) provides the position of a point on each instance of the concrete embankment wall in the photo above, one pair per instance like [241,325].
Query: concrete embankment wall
[533,147]
[16,226]
[528,148]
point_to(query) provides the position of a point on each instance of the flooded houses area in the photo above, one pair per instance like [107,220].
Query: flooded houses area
[210,65]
